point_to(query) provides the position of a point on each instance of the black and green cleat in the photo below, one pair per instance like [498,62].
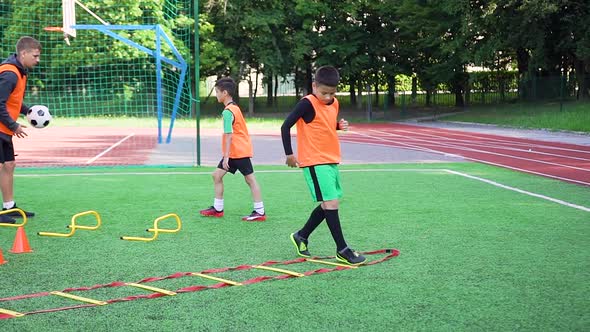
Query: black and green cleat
[300,244]
[350,257]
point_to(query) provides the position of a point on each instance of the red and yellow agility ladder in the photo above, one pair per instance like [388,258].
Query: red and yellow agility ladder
[159,292]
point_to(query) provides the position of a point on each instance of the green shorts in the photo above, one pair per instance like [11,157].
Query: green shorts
[323,182]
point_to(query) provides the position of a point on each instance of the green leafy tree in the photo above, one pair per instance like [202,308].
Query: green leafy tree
[542,38]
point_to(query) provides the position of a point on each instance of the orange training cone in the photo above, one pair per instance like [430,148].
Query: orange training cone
[2,261]
[21,243]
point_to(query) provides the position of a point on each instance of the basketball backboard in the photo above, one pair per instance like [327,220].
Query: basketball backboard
[69,17]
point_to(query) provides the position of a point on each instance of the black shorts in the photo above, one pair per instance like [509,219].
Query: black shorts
[6,149]
[244,165]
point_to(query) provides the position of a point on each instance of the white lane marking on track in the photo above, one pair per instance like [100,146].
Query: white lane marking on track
[516,142]
[90,161]
[452,146]
[502,144]
[480,160]
[398,147]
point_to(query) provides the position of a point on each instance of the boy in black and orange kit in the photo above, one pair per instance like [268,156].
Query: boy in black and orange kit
[318,154]
[237,151]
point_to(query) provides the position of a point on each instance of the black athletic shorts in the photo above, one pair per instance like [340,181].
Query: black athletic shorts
[244,165]
[6,149]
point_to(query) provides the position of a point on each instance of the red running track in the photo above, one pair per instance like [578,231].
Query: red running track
[566,162]
[84,146]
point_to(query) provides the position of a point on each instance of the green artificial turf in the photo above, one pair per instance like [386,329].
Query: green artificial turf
[473,256]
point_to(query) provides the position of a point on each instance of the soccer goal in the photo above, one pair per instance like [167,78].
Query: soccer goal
[130,70]
[115,76]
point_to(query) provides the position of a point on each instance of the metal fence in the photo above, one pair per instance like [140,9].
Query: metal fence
[482,89]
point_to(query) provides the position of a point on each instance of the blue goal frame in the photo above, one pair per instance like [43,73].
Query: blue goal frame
[179,63]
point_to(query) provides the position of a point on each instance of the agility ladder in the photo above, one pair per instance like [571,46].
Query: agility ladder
[159,292]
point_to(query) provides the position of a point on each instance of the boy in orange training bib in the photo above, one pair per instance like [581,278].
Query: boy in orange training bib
[236,147]
[318,154]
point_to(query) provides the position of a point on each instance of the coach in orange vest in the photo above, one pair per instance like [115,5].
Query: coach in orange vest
[13,82]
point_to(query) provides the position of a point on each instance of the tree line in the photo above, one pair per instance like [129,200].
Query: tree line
[372,41]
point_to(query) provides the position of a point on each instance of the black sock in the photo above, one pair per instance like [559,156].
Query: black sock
[333,221]
[315,219]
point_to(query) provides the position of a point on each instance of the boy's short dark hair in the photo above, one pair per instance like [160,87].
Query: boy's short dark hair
[226,84]
[328,76]
[27,43]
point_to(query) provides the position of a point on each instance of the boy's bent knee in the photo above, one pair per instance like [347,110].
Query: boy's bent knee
[8,166]
[250,178]
[217,175]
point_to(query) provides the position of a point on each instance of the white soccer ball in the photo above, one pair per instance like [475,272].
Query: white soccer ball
[39,116]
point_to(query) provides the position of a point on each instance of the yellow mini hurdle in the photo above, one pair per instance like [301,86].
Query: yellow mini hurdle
[73,226]
[156,230]
[22,213]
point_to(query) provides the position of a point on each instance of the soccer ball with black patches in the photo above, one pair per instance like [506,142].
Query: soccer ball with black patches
[39,116]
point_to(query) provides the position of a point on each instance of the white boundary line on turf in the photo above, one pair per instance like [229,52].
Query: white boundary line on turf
[439,170]
[493,183]
[209,173]
[90,161]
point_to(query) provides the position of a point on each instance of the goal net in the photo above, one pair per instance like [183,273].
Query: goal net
[115,77]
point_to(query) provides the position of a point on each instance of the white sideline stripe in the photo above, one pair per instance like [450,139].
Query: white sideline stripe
[440,170]
[493,183]
[90,161]
[425,170]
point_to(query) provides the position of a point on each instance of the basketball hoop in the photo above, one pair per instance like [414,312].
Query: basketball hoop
[54,29]
[59,29]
